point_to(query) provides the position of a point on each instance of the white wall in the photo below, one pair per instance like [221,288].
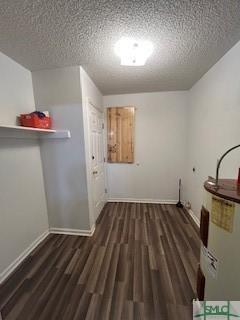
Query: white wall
[90,94]
[213,125]
[57,86]
[64,166]
[90,90]
[160,147]
[23,213]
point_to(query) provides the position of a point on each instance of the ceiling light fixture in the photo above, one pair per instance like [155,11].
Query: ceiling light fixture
[132,52]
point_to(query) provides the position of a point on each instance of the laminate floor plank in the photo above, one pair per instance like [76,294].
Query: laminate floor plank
[141,263]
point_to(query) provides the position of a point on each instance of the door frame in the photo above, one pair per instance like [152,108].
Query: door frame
[88,156]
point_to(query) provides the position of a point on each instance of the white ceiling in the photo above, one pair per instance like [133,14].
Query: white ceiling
[189,36]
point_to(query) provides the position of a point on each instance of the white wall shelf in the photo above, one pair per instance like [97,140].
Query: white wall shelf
[19,132]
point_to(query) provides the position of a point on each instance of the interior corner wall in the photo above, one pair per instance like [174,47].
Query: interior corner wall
[160,148]
[90,90]
[64,165]
[23,212]
[90,94]
[213,125]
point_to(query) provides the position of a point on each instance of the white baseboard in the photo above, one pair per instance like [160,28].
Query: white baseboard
[157,201]
[194,217]
[12,267]
[22,256]
[76,232]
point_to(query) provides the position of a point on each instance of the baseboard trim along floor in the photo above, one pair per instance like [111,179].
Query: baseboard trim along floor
[75,232]
[156,201]
[13,266]
[193,216]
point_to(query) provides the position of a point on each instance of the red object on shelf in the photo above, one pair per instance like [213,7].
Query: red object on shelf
[238,177]
[34,121]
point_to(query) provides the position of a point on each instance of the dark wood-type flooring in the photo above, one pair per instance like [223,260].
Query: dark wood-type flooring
[141,263]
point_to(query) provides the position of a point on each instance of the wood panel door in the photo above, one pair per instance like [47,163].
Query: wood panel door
[121,134]
[96,120]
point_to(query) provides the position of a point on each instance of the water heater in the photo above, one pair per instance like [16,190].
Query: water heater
[218,276]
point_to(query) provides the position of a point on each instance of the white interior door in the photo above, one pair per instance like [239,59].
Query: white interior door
[96,126]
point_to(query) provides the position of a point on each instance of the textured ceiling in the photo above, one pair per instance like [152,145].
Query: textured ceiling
[189,36]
